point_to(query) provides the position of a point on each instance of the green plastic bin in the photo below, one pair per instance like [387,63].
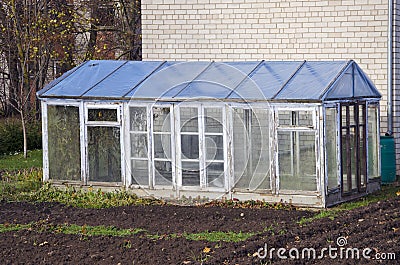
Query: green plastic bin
[388,159]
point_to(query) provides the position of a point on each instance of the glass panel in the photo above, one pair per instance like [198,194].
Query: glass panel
[163,172]
[189,120]
[285,117]
[251,149]
[344,115]
[277,73]
[214,147]
[345,161]
[213,120]
[102,115]
[361,114]
[372,142]
[162,146]
[353,148]
[313,77]
[297,161]
[362,155]
[295,118]
[161,120]
[352,115]
[140,172]
[124,79]
[139,145]
[190,174]
[84,77]
[64,143]
[215,175]
[138,118]
[190,146]
[104,154]
[305,118]
[331,147]
[241,149]
[165,79]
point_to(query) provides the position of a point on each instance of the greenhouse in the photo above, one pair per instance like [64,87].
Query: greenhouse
[300,132]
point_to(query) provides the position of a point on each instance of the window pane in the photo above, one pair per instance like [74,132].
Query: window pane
[139,145]
[64,143]
[213,120]
[372,142]
[214,147]
[297,161]
[251,149]
[215,175]
[304,118]
[345,161]
[285,117]
[102,115]
[295,118]
[331,147]
[362,157]
[163,172]
[190,174]
[104,154]
[190,146]
[162,146]
[189,119]
[138,118]
[161,120]
[140,172]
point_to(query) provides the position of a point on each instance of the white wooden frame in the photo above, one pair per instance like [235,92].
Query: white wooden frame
[117,124]
[334,106]
[271,124]
[127,139]
[316,113]
[172,137]
[202,159]
[60,102]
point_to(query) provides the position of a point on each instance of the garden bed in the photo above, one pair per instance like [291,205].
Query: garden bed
[53,233]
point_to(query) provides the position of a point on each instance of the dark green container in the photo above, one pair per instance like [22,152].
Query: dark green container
[388,159]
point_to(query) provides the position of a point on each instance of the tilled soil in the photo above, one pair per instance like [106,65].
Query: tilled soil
[376,227]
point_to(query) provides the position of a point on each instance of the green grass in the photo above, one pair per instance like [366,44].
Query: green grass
[13,227]
[89,198]
[17,161]
[86,230]
[385,193]
[218,236]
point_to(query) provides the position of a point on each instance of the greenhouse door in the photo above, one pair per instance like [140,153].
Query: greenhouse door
[353,148]
[103,160]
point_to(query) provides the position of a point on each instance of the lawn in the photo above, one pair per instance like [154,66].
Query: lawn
[17,161]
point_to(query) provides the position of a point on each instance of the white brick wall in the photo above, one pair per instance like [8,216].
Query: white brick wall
[226,30]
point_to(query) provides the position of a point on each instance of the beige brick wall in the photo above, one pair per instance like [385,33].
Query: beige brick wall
[227,30]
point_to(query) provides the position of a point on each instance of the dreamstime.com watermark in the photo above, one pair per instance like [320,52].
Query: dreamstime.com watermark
[339,251]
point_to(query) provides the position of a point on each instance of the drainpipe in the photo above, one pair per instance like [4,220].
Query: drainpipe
[390,71]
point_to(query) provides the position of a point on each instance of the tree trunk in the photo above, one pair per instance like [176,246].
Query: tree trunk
[24,134]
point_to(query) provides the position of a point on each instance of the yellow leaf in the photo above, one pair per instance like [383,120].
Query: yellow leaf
[206,250]
[398,193]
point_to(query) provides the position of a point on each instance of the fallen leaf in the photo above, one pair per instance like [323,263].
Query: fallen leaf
[395,229]
[206,250]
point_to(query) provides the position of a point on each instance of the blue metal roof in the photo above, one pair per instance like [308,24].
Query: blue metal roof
[263,80]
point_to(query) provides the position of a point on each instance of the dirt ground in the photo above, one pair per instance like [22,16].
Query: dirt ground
[376,227]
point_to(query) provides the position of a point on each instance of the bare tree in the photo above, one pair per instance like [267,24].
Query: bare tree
[30,33]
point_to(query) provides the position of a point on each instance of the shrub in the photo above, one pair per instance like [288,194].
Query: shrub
[11,136]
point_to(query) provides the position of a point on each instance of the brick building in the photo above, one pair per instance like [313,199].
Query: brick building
[227,30]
